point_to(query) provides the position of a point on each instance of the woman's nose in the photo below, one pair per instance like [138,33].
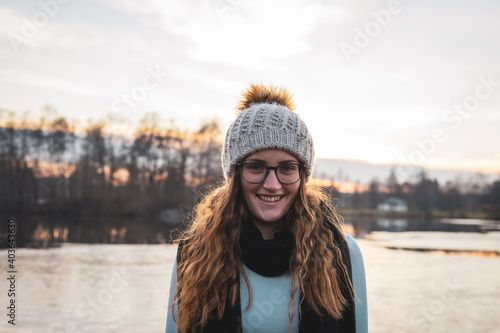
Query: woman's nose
[271,182]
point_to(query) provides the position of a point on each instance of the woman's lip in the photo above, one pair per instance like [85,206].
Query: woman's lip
[279,198]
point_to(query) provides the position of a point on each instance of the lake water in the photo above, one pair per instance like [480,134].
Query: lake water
[124,288]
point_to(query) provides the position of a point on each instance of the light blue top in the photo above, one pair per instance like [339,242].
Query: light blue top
[270,298]
[271,295]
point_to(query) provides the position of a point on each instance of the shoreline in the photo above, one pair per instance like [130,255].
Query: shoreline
[447,243]
[365,213]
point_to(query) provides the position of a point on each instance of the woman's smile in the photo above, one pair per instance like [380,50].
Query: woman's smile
[270,200]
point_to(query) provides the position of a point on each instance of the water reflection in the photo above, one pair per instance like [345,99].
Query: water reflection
[361,228]
[94,288]
[393,225]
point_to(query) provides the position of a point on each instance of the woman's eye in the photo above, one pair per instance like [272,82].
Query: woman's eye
[287,168]
[255,167]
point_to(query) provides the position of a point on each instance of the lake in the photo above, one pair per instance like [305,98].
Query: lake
[124,288]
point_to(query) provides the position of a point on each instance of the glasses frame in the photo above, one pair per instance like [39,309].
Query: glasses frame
[240,165]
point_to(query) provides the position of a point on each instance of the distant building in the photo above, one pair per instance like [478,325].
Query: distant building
[393,204]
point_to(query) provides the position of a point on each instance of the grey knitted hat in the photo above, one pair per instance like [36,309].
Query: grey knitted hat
[266,121]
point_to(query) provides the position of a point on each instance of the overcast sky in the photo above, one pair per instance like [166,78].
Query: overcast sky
[380,81]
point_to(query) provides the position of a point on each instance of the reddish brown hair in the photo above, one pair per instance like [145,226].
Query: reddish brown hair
[210,259]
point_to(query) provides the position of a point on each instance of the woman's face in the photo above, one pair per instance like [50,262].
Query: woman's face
[270,200]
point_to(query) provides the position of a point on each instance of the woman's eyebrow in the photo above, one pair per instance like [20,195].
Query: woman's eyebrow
[264,162]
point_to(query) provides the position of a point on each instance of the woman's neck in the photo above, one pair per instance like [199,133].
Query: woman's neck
[268,229]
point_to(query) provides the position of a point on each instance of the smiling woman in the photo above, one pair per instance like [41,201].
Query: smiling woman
[265,251]
[266,197]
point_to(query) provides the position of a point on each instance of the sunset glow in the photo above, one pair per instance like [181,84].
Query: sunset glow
[400,95]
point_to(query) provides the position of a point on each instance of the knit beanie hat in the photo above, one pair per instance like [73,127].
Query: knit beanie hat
[265,120]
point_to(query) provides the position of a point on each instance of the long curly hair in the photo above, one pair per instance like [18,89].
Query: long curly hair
[209,266]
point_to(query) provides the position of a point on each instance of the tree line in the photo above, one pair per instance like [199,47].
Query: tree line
[95,185]
[455,199]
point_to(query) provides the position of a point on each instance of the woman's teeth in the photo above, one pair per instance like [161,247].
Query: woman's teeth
[269,199]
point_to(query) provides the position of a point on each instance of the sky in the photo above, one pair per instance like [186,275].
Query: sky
[412,82]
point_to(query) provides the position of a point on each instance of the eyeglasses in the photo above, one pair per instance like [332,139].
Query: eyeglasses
[256,173]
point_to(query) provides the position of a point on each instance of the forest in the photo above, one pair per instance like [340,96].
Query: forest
[63,182]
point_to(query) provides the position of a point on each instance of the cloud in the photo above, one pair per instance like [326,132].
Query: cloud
[24,78]
[249,34]
[393,93]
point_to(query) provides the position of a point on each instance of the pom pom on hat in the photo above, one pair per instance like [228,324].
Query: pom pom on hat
[258,93]
[265,120]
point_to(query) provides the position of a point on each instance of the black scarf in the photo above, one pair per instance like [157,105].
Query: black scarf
[266,257]
[272,258]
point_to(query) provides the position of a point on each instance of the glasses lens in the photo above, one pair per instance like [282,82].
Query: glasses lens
[288,173]
[254,172]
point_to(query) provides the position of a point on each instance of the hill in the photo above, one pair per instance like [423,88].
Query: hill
[351,171]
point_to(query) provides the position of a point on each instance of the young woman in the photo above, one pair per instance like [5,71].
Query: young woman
[265,251]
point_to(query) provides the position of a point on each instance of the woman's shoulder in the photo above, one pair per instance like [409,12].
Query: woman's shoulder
[359,284]
[353,246]
[349,239]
